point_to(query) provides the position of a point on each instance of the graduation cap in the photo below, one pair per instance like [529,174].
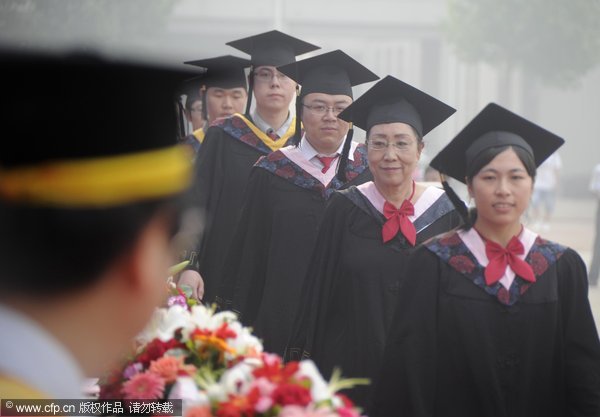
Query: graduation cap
[493,127]
[332,73]
[273,48]
[102,127]
[392,100]
[225,72]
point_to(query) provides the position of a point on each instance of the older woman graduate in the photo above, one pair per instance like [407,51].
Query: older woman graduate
[493,320]
[367,234]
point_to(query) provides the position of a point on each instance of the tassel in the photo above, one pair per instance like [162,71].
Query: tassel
[250,89]
[298,128]
[204,106]
[341,168]
[460,206]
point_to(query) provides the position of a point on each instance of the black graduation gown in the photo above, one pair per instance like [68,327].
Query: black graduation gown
[229,151]
[351,286]
[458,348]
[275,238]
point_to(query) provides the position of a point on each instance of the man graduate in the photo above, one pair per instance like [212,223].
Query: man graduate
[233,145]
[222,90]
[286,197]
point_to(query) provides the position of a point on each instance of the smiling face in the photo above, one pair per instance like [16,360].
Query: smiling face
[323,129]
[501,191]
[273,90]
[393,153]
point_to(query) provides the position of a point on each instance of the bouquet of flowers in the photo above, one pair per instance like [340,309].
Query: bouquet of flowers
[218,368]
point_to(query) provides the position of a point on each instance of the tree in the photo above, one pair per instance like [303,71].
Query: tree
[553,41]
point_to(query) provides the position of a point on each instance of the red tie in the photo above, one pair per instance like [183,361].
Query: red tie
[271,133]
[499,257]
[326,161]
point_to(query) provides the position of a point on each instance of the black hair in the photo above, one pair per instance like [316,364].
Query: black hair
[46,251]
[484,158]
[299,111]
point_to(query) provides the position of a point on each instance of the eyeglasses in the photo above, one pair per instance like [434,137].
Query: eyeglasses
[381,145]
[321,110]
[265,76]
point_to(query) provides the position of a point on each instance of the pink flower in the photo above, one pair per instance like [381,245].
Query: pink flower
[170,367]
[198,411]
[144,386]
[347,412]
[297,411]
[133,369]
[177,300]
[263,404]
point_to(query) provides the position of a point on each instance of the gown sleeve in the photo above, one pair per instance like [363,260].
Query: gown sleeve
[320,283]
[207,188]
[581,337]
[406,382]
[245,271]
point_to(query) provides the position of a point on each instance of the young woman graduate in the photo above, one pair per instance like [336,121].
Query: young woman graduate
[367,235]
[286,197]
[233,145]
[493,320]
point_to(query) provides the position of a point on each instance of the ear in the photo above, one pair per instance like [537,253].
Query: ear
[420,147]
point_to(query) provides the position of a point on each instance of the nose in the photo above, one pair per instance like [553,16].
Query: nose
[329,115]
[227,103]
[390,154]
[275,82]
[502,187]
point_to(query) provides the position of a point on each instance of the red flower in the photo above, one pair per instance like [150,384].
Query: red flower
[274,372]
[462,264]
[285,171]
[451,239]
[156,349]
[239,405]
[291,394]
[539,263]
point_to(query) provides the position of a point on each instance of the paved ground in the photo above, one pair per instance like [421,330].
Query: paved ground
[573,225]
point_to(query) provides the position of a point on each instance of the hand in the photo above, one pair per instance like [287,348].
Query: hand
[193,280]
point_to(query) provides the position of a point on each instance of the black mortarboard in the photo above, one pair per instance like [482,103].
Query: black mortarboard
[91,106]
[272,48]
[84,107]
[225,71]
[494,126]
[392,100]
[330,73]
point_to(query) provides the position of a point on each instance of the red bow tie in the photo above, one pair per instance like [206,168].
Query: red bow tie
[326,161]
[499,258]
[397,219]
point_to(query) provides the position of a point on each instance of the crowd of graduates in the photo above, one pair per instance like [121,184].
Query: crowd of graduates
[322,242]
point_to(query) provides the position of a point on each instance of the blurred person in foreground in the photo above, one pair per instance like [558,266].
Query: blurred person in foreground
[87,212]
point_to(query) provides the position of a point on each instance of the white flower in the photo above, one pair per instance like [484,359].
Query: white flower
[185,389]
[237,379]
[164,322]
[244,341]
[319,389]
